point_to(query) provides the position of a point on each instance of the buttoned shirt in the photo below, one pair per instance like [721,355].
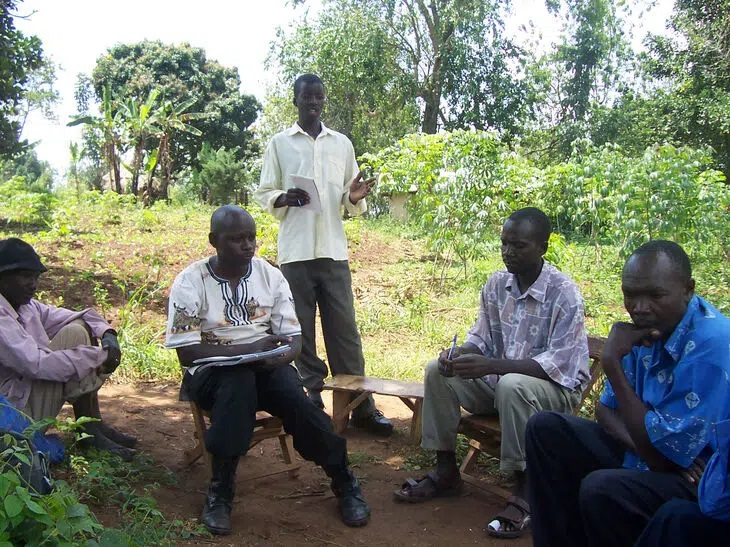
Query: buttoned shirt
[203,307]
[330,161]
[684,382]
[545,323]
[714,489]
[25,356]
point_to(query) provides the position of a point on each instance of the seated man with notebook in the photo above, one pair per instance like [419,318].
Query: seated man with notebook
[234,304]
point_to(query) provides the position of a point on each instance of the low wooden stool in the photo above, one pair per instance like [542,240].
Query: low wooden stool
[266,427]
[344,385]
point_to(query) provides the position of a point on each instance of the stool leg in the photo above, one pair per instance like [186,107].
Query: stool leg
[340,400]
[417,422]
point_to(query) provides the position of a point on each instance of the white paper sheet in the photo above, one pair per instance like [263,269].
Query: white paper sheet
[308,185]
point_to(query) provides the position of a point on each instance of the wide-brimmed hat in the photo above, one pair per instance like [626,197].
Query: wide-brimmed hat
[16,254]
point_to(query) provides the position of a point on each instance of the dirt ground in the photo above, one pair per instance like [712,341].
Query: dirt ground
[278,510]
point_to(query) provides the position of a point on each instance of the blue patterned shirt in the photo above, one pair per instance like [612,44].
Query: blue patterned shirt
[685,382]
[714,489]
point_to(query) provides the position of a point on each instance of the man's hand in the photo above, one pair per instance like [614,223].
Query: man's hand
[110,343]
[471,365]
[623,337]
[294,197]
[446,365]
[272,341]
[694,472]
[360,187]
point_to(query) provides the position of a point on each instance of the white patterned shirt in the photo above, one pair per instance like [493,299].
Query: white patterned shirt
[204,309]
[545,323]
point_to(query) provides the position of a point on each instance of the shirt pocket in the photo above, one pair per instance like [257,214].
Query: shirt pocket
[259,308]
[335,173]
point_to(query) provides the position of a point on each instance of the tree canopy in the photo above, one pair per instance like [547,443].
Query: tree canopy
[20,55]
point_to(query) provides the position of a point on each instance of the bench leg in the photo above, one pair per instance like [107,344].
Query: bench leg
[417,422]
[287,452]
[470,460]
[340,400]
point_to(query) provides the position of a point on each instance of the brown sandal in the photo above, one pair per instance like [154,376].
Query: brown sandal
[514,520]
[427,487]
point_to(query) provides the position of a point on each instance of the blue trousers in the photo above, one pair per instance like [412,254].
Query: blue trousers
[578,492]
[234,394]
[680,523]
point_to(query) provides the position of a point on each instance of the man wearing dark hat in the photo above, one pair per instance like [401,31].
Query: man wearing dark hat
[46,353]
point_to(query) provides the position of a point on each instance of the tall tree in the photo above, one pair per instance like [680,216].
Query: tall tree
[181,72]
[452,57]
[20,55]
[368,99]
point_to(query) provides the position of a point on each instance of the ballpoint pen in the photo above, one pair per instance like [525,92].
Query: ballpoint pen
[452,348]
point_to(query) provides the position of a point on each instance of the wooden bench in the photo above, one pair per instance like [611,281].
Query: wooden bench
[344,385]
[485,434]
[265,427]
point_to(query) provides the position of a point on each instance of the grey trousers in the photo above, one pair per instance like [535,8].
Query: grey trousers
[515,398]
[46,398]
[327,284]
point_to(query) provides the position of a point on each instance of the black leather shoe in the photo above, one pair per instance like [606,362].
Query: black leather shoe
[354,510]
[216,515]
[316,397]
[374,422]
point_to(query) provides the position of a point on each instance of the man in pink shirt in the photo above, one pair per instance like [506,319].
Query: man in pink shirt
[46,353]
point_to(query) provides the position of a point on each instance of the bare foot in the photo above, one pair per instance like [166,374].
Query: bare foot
[101,442]
[117,436]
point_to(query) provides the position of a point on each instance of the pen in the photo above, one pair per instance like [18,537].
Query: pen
[453,347]
[299,203]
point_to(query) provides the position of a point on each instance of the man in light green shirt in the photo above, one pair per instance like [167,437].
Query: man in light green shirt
[312,245]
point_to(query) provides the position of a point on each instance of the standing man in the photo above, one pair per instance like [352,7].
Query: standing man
[668,377]
[312,246]
[528,351]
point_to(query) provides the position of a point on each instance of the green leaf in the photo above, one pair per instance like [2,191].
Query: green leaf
[13,505]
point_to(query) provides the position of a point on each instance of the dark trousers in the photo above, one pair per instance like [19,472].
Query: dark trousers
[578,492]
[234,394]
[327,284]
[680,523]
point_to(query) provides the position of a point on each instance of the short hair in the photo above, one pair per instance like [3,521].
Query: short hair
[306,79]
[537,218]
[223,215]
[677,256]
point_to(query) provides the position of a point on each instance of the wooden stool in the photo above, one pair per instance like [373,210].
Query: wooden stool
[266,427]
[344,385]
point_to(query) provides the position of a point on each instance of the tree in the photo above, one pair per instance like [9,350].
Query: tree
[452,56]
[368,99]
[695,66]
[181,73]
[221,179]
[20,55]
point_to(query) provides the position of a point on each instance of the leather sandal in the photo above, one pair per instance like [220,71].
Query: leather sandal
[513,521]
[426,488]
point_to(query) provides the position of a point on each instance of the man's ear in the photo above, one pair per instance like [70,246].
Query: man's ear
[212,239]
[543,248]
[690,289]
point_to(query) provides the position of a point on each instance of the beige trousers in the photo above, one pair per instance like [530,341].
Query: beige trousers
[515,398]
[46,398]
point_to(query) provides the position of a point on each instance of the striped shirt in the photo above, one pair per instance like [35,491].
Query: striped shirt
[545,323]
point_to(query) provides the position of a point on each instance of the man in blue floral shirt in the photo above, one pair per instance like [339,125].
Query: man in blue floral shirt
[684,523]
[668,386]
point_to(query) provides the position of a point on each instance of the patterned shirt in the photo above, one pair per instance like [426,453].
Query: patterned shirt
[685,382]
[204,309]
[545,323]
[330,161]
[714,489]
[24,355]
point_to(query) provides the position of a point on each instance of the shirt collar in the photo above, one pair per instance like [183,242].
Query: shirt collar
[678,339]
[538,289]
[295,128]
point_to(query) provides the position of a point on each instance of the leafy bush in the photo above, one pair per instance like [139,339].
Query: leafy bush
[18,204]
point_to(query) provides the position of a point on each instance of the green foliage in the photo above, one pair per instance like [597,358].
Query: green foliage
[37,174]
[20,205]
[181,73]
[221,178]
[469,182]
[20,55]
[27,518]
